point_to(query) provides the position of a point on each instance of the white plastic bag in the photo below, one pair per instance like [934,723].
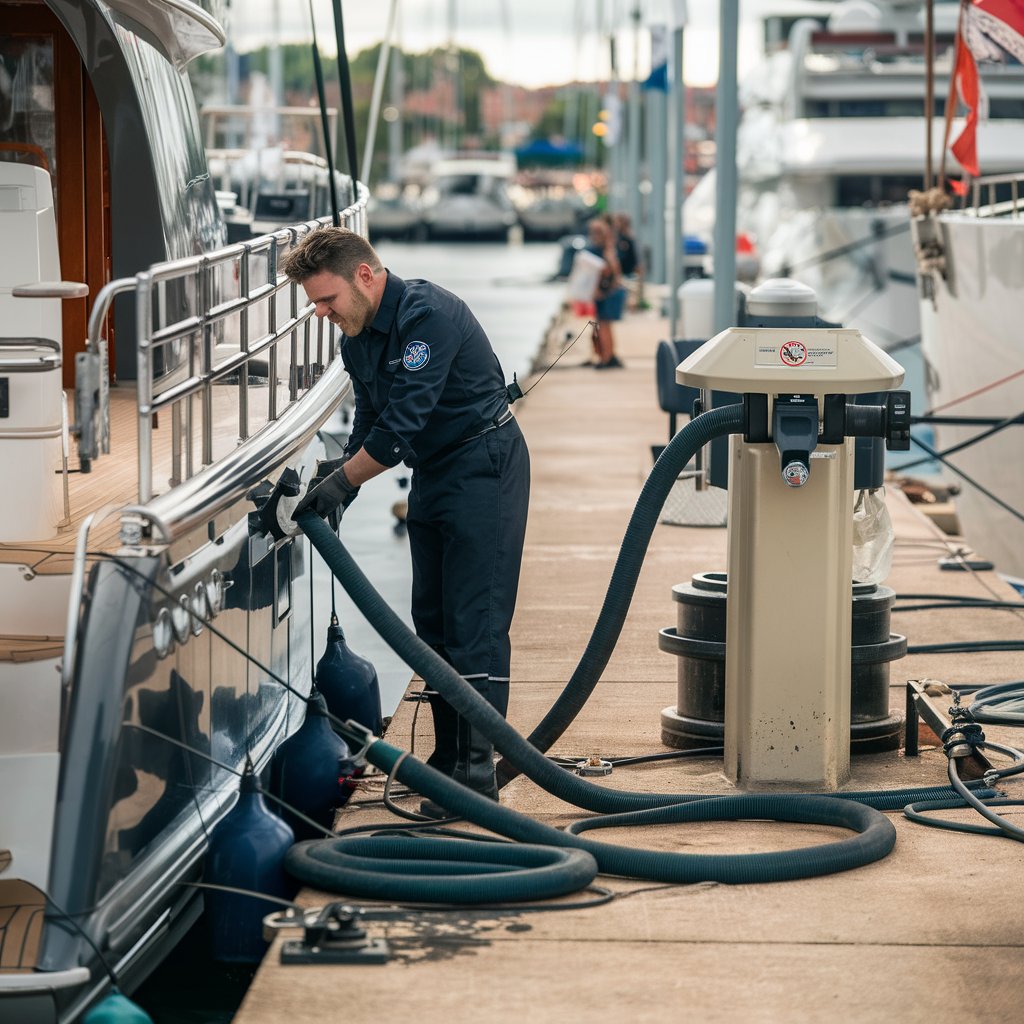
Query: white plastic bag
[872,537]
[583,276]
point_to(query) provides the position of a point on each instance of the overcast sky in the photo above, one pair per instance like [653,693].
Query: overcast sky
[533,42]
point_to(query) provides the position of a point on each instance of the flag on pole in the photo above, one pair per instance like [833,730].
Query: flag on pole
[992,26]
[965,149]
[989,30]
[658,78]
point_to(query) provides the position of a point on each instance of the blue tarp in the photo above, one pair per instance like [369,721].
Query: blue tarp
[546,151]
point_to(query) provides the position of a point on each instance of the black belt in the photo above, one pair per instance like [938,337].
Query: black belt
[498,421]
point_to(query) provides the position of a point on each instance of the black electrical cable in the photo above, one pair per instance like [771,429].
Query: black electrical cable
[995,426]
[403,910]
[845,250]
[920,812]
[670,755]
[963,734]
[63,915]
[234,771]
[1008,829]
[966,647]
[572,763]
[931,606]
[589,323]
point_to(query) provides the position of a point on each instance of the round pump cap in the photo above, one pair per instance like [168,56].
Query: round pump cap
[781,296]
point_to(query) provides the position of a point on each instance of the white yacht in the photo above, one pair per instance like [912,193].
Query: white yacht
[972,282]
[271,162]
[832,139]
[467,197]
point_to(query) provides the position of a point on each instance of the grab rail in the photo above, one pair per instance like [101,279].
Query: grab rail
[989,185]
[179,368]
[31,364]
[183,508]
[206,324]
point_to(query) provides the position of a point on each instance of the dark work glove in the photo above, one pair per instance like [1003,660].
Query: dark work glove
[327,494]
[325,467]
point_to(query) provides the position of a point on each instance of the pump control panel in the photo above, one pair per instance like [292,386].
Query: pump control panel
[897,421]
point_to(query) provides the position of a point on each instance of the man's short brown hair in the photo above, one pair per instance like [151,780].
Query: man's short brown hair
[337,250]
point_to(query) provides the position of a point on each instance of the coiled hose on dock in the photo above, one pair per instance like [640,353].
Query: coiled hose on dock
[860,812]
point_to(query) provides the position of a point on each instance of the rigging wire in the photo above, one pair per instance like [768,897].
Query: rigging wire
[997,426]
[975,393]
[845,250]
[974,483]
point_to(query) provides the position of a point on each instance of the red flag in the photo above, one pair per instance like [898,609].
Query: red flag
[959,187]
[965,149]
[995,21]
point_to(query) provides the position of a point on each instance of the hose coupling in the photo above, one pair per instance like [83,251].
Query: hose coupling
[960,740]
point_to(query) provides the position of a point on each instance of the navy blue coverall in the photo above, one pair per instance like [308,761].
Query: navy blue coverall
[430,391]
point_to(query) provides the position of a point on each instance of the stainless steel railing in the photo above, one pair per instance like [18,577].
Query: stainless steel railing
[216,330]
[985,192]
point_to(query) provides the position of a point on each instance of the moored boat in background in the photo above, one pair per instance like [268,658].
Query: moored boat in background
[830,144]
[467,197]
[272,160]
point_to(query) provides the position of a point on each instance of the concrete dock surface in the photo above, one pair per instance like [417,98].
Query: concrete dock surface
[930,933]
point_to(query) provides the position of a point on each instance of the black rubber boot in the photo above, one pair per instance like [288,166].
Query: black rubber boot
[474,764]
[446,734]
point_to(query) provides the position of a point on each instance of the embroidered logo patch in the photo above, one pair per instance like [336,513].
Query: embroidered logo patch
[417,355]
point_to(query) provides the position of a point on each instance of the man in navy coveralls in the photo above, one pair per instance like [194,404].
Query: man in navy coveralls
[429,391]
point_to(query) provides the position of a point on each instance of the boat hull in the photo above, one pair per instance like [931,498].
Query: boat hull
[972,342]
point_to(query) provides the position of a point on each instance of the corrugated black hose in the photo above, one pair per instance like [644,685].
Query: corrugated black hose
[315,862]
[680,450]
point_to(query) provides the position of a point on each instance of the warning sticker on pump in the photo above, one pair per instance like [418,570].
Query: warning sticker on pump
[794,354]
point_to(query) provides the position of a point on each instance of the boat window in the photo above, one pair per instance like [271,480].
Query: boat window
[27,122]
[908,107]
[854,190]
[1006,106]
[458,185]
[998,107]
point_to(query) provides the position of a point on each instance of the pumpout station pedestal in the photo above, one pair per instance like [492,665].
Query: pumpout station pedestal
[791,488]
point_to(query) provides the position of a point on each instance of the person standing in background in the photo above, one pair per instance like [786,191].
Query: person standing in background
[628,251]
[609,296]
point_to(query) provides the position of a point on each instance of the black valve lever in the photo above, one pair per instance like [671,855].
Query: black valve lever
[795,431]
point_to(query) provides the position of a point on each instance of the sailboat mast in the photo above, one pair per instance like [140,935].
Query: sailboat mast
[378,91]
[395,121]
